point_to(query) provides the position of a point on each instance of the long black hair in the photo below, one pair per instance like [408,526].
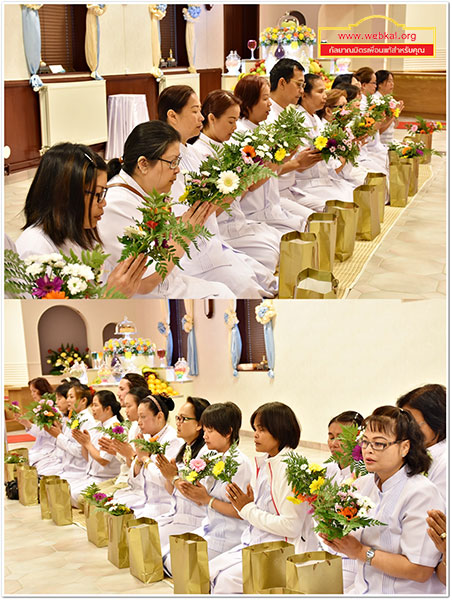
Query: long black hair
[199,406]
[430,400]
[108,399]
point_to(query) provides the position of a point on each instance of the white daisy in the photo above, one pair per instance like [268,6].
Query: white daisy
[228,182]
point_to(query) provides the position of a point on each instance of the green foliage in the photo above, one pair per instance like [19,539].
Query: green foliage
[150,447]
[118,431]
[230,462]
[348,456]
[335,141]
[18,284]
[304,477]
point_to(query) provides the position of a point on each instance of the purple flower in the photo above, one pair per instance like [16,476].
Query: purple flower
[118,429]
[44,285]
[419,152]
[356,453]
[164,244]
[99,496]
[331,142]
[15,403]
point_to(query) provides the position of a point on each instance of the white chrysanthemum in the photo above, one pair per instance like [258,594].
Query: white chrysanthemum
[85,272]
[54,257]
[33,258]
[70,270]
[206,173]
[76,285]
[34,269]
[133,231]
[362,513]
[228,182]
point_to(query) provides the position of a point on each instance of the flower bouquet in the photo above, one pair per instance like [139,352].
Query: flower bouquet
[195,469]
[362,125]
[228,172]
[14,459]
[422,126]
[226,467]
[382,108]
[340,509]
[94,496]
[152,446]
[335,142]
[156,233]
[65,357]
[344,115]
[13,407]
[116,509]
[118,431]
[290,34]
[43,413]
[350,455]
[305,478]
[57,276]
[74,421]
[408,148]
[136,347]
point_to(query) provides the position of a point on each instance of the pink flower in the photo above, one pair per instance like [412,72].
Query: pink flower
[197,464]
[356,453]
[392,104]
[413,128]
[15,403]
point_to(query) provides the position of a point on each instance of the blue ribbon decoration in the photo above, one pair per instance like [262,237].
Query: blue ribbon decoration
[192,350]
[270,347]
[236,346]
[32,44]
[165,330]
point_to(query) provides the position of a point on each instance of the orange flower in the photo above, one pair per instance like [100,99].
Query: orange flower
[53,295]
[405,150]
[48,413]
[250,151]
[153,439]
[369,121]
[371,107]
[348,512]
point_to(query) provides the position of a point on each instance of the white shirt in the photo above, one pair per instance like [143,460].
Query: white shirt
[438,470]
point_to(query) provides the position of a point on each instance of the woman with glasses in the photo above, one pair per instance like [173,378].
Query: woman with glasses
[427,404]
[63,208]
[185,515]
[398,557]
[151,163]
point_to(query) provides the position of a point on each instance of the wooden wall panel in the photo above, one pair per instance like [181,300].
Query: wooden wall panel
[209,80]
[424,94]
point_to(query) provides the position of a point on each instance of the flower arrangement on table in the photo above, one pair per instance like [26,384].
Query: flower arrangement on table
[152,446]
[305,478]
[337,142]
[340,509]
[156,233]
[410,149]
[288,34]
[11,458]
[43,412]
[212,464]
[57,276]
[350,454]
[423,126]
[226,173]
[134,347]
[13,407]
[65,357]
[118,431]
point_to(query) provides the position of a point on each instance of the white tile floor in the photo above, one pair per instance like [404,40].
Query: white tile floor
[41,558]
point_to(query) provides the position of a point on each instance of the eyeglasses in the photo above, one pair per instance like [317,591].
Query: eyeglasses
[181,419]
[100,196]
[300,84]
[172,163]
[377,446]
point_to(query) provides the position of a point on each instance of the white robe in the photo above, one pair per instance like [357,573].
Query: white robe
[122,208]
[374,154]
[258,240]
[73,464]
[438,470]
[387,137]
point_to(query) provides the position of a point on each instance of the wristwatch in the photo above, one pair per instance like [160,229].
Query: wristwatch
[370,555]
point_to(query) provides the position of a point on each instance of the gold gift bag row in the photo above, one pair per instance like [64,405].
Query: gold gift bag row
[298,251]
[43,500]
[264,566]
[118,549]
[190,564]
[379,181]
[145,554]
[27,484]
[368,225]
[315,573]
[324,225]
[347,214]
[96,525]
[59,499]
[399,182]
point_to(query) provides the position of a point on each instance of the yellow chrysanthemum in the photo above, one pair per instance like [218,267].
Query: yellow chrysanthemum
[280,154]
[191,476]
[218,468]
[314,467]
[316,485]
[294,500]
[397,113]
[185,194]
[75,424]
[320,142]
[439,124]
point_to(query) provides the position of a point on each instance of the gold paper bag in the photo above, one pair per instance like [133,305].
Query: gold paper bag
[145,554]
[315,573]
[21,452]
[118,549]
[414,176]
[10,471]
[59,498]
[298,251]
[427,139]
[190,564]
[43,501]
[96,525]
[27,484]
[347,222]
[324,225]
[393,157]
[316,285]
[398,185]
[368,226]
[379,180]
[264,566]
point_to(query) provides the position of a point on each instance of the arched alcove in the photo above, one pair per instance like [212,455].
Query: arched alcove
[108,332]
[60,325]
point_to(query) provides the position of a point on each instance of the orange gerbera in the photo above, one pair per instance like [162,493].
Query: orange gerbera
[369,121]
[405,150]
[348,512]
[371,107]
[54,295]
[249,151]
[48,413]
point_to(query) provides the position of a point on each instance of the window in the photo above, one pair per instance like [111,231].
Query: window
[172,35]
[177,312]
[252,334]
[63,28]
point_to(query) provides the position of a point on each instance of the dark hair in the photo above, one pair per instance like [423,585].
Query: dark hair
[42,385]
[364,74]
[430,400]
[174,97]
[343,79]
[224,417]
[217,103]
[248,90]
[149,139]
[280,421]
[332,97]
[63,388]
[108,399]
[396,421]
[348,416]
[352,91]
[82,391]
[199,406]
[284,68]
[138,392]
[158,403]
[382,75]
[136,380]
[309,80]
[56,198]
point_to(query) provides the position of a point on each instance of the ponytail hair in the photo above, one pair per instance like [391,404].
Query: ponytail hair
[108,399]
[158,403]
[392,420]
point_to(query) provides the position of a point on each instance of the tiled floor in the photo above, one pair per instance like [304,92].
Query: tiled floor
[41,558]
[410,263]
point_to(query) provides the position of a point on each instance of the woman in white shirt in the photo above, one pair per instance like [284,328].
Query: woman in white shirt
[385,85]
[221,110]
[398,557]
[264,505]
[63,208]
[100,465]
[427,404]
[339,472]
